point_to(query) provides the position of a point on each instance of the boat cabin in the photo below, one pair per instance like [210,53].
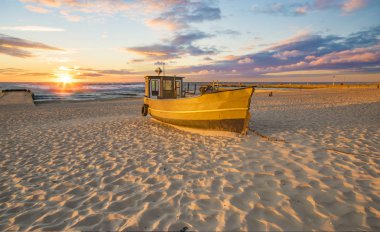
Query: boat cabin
[163,87]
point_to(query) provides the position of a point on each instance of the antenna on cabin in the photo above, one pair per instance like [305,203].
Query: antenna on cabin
[163,66]
[158,71]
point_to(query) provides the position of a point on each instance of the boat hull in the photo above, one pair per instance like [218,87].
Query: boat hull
[227,110]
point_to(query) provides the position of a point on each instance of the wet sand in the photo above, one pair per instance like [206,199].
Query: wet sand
[101,166]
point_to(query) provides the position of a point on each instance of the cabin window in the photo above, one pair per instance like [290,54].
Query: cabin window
[168,85]
[155,87]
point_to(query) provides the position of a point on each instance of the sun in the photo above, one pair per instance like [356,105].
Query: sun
[65,78]
[64,75]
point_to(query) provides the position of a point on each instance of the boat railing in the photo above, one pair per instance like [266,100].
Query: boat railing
[218,87]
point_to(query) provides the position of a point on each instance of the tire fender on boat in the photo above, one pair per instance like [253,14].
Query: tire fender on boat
[144,110]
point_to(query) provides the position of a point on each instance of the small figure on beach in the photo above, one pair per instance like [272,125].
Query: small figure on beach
[270,94]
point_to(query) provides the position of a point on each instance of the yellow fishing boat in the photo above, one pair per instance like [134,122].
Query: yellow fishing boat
[213,110]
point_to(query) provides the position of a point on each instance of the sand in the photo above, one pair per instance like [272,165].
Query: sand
[101,166]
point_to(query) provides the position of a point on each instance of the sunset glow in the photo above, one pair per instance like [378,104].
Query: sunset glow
[65,78]
[64,75]
[122,41]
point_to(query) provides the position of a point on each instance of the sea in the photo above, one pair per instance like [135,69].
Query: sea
[50,92]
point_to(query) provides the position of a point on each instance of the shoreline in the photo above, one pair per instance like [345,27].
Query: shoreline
[89,101]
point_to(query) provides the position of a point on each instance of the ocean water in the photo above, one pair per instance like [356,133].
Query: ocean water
[48,92]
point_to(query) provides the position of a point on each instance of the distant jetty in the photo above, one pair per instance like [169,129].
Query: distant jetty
[296,85]
[318,86]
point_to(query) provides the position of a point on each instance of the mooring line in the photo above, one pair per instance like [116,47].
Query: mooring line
[268,138]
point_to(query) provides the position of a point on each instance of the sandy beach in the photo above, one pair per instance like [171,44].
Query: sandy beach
[313,164]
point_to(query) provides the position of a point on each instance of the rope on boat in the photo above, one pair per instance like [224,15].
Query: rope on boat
[268,138]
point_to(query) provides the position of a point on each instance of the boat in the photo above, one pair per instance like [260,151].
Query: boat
[222,110]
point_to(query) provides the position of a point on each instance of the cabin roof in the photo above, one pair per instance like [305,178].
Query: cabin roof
[164,76]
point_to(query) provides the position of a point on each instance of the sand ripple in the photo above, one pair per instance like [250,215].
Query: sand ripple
[81,167]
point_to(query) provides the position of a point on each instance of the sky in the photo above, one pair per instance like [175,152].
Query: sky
[225,40]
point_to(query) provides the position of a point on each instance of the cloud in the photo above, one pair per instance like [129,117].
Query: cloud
[70,17]
[136,60]
[227,32]
[37,9]
[156,51]
[31,28]
[11,71]
[358,55]
[13,46]
[74,10]
[115,71]
[171,14]
[179,14]
[94,6]
[189,38]
[180,45]
[303,8]
[231,57]
[358,51]
[89,72]
[352,5]
[287,54]
[285,9]
[20,72]
[246,60]
[49,3]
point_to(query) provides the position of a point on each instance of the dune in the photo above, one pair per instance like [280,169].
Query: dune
[101,166]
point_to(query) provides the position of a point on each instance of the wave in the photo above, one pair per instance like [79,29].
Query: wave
[47,92]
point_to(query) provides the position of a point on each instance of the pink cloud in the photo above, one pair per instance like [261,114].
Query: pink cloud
[70,17]
[158,23]
[48,3]
[301,10]
[230,57]
[287,54]
[281,68]
[352,5]
[310,57]
[362,55]
[300,36]
[37,9]
[94,6]
[246,60]
[358,55]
